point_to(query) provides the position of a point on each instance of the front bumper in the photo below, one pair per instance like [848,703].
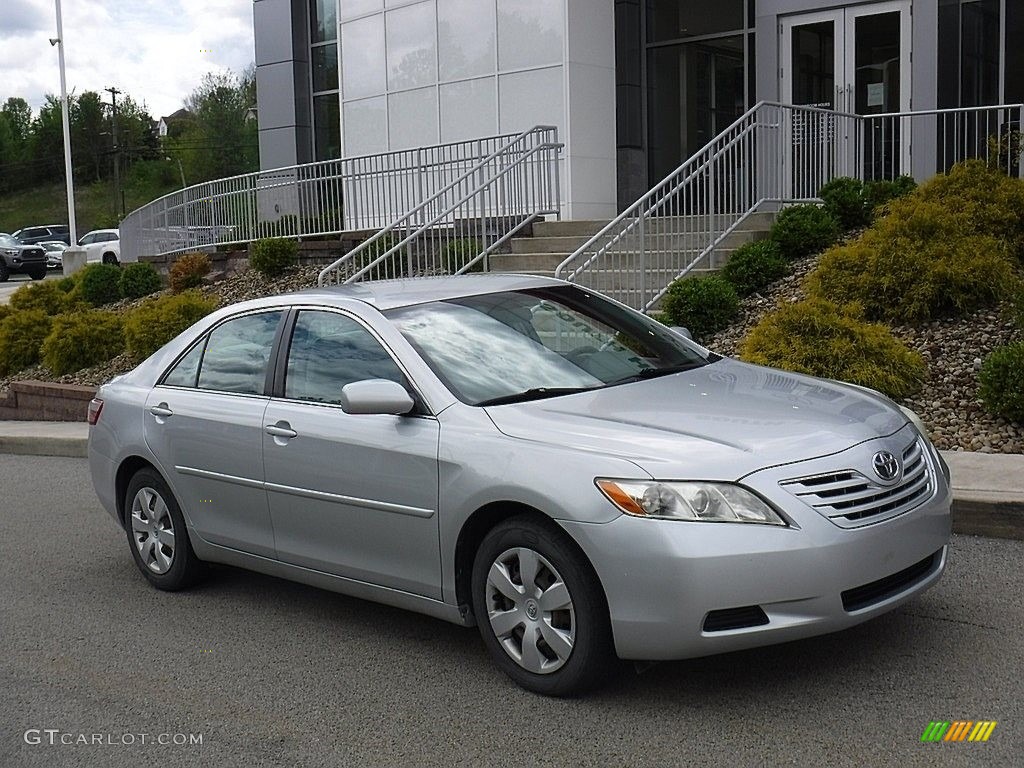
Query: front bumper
[663,578]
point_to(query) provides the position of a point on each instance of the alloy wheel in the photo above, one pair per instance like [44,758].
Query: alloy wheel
[153,530]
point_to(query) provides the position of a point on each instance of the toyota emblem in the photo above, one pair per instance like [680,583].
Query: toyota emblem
[886,466]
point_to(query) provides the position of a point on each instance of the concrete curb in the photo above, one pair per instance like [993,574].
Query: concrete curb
[985,517]
[71,447]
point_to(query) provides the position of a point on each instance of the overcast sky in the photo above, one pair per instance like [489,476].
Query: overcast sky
[155,50]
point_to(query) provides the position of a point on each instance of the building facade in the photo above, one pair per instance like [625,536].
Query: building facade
[634,86]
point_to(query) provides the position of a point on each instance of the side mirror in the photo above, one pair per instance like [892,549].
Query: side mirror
[684,332]
[376,396]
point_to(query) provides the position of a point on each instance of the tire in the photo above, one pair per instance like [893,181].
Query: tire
[37,274]
[5,273]
[109,258]
[151,512]
[581,653]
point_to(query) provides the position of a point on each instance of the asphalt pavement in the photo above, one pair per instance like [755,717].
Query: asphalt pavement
[16,281]
[268,673]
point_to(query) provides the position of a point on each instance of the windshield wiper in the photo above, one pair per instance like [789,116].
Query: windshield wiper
[537,393]
[653,373]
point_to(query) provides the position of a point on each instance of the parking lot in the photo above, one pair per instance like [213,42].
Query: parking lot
[16,281]
[274,673]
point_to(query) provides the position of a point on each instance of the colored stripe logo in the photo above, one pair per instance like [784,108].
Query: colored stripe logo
[959,730]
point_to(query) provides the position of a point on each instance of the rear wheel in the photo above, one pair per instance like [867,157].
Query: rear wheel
[5,273]
[38,273]
[540,609]
[109,258]
[157,534]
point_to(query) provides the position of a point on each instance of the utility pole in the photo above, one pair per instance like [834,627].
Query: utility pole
[118,202]
[59,42]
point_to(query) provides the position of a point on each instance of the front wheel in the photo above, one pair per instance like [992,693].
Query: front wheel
[157,534]
[38,274]
[5,273]
[541,610]
[109,258]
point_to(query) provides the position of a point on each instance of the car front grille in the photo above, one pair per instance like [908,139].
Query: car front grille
[850,499]
[33,254]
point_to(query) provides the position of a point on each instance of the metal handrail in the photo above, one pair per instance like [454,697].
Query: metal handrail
[443,228]
[771,155]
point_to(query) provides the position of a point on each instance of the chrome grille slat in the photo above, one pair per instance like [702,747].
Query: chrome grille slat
[850,498]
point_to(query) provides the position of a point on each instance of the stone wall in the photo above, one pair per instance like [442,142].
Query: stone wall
[45,401]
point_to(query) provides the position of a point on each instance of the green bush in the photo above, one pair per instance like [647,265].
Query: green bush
[46,296]
[457,253]
[703,304]
[880,193]
[755,266]
[1002,382]
[82,340]
[188,271]
[273,255]
[801,230]
[819,338]
[5,310]
[138,280]
[157,321]
[99,284]
[844,200]
[21,336]
[916,264]
[67,284]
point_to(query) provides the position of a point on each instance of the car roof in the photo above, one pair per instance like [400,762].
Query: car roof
[389,294]
[96,231]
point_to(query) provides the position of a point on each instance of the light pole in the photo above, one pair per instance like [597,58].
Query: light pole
[180,169]
[65,109]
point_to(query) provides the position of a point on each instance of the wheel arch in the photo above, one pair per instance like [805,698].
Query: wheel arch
[126,470]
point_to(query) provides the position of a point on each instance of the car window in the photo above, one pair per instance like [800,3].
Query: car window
[237,354]
[87,239]
[109,237]
[327,352]
[185,372]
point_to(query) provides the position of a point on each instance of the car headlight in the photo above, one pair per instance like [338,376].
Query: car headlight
[711,502]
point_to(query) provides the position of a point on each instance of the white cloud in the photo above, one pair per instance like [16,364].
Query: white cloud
[155,50]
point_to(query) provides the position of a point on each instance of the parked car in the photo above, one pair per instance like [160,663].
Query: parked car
[34,235]
[18,258]
[54,249]
[519,453]
[102,245]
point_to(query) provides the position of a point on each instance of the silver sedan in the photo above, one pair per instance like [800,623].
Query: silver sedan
[580,482]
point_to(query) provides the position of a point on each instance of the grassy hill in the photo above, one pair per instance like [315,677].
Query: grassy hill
[94,204]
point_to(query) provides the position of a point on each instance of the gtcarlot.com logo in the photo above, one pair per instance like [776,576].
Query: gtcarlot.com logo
[958,730]
[56,737]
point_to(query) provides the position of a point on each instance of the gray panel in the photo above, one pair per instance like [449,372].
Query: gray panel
[272,25]
[278,147]
[275,86]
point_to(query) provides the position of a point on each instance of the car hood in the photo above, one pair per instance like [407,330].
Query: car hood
[718,422]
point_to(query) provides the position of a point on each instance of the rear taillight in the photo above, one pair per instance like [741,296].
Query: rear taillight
[95,409]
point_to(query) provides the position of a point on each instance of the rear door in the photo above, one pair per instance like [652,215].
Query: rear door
[352,495]
[204,423]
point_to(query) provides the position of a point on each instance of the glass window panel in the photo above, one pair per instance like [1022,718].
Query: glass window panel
[329,351]
[877,62]
[1014,54]
[325,67]
[814,64]
[469,109]
[674,19]
[465,30]
[979,66]
[519,106]
[237,354]
[412,49]
[366,126]
[327,126]
[949,54]
[323,20]
[184,373]
[413,118]
[350,8]
[530,33]
[363,70]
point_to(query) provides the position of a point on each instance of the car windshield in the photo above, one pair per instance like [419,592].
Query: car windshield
[523,345]
[8,240]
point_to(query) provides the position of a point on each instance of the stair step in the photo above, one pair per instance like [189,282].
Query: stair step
[571,228]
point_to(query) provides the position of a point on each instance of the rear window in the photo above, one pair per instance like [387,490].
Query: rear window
[238,353]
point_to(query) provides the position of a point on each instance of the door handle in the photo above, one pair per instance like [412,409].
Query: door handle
[161,411]
[281,429]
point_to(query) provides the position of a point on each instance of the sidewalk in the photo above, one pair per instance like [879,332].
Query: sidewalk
[988,488]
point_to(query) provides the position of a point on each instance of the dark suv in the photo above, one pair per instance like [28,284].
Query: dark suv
[17,257]
[33,235]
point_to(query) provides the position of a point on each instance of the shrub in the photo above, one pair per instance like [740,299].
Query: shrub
[879,193]
[82,340]
[819,338]
[21,336]
[702,304]
[844,200]
[188,271]
[157,321]
[1002,382]
[98,284]
[138,280]
[457,253]
[273,255]
[67,284]
[46,296]
[915,264]
[5,310]
[754,266]
[801,230]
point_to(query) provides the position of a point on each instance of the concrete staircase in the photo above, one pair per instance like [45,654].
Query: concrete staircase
[553,241]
